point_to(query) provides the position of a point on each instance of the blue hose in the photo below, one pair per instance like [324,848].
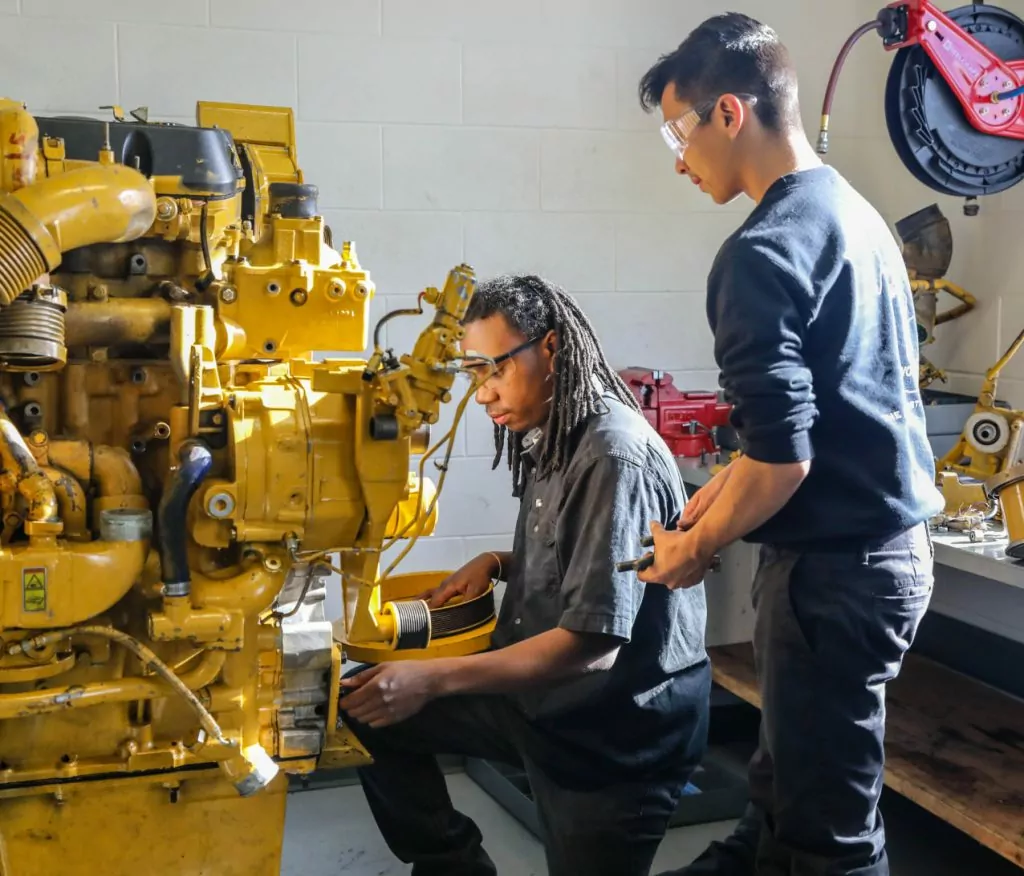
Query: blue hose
[195,462]
[998,96]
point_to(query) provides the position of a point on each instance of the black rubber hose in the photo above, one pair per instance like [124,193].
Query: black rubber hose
[195,461]
[203,283]
[417,311]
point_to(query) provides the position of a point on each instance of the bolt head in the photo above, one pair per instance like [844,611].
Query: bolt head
[166,209]
[228,295]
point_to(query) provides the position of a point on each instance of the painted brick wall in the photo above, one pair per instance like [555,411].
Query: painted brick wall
[434,137]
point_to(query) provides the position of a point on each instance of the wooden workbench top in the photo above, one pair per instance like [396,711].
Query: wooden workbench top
[953,745]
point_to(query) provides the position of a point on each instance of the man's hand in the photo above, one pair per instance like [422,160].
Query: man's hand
[680,558]
[389,693]
[696,507]
[469,581]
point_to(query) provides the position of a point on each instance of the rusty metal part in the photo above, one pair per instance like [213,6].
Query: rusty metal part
[117,321]
[33,484]
[111,468]
[927,243]
[71,502]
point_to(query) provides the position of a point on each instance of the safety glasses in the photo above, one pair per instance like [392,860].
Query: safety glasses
[676,132]
[482,371]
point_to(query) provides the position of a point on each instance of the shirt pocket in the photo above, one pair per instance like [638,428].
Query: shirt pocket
[543,566]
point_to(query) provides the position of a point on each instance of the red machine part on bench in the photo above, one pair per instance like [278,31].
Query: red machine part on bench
[685,419]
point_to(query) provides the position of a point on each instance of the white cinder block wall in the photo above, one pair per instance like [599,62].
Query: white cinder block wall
[506,134]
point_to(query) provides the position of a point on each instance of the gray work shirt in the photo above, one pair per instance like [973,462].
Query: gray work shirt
[573,527]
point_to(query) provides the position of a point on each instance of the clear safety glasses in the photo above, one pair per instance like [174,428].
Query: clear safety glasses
[676,132]
[482,371]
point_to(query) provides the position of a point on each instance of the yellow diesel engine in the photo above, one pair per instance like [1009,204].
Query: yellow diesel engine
[179,476]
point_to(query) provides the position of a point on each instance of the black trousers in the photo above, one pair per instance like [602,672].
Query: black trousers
[831,631]
[590,830]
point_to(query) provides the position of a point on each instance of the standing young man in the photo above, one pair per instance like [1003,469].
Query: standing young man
[597,684]
[814,337]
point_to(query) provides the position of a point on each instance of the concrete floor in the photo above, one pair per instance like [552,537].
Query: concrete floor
[332,832]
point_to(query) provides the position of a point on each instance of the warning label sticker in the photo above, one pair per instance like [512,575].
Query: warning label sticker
[33,586]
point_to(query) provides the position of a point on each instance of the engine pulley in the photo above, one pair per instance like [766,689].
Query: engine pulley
[987,433]
[927,124]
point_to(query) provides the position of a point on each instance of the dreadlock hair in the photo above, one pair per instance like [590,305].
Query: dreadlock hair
[533,307]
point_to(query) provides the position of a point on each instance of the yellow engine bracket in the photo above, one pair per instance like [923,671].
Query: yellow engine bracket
[992,437]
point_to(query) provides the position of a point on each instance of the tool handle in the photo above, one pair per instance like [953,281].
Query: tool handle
[637,565]
[648,540]
[641,563]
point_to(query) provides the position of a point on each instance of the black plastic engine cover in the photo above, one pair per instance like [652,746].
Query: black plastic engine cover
[204,159]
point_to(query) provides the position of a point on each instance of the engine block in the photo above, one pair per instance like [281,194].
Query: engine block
[179,477]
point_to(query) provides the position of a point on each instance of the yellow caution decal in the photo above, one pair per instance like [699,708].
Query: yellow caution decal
[33,587]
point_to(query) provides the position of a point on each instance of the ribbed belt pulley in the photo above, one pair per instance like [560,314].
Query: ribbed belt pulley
[417,625]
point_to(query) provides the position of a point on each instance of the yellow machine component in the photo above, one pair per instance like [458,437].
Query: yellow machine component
[989,452]
[1007,489]
[179,477]
[991,439]
[927,253]
[926,294]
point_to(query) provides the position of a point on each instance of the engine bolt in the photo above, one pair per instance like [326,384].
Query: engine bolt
[166,209]
[228,294]
[298,297]
[220,505]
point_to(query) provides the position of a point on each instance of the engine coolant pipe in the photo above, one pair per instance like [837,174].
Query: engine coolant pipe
[194,460]
[38,223]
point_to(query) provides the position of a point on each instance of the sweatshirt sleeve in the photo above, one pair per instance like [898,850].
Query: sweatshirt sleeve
[759,341]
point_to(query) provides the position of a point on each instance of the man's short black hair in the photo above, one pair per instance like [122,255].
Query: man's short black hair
[729,54]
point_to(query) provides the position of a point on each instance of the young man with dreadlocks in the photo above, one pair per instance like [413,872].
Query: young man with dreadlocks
[597,685]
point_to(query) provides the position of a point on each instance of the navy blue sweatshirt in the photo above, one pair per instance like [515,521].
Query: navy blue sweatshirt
[816,342]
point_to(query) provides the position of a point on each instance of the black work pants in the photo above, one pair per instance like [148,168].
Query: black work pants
[830,632]
[612,830]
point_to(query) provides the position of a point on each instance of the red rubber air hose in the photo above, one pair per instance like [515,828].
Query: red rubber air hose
[833,79]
